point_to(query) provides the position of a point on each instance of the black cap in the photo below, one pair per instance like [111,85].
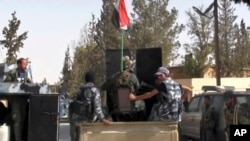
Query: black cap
[228,95]
[89,76]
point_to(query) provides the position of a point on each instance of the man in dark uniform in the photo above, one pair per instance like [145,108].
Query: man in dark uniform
[18,104]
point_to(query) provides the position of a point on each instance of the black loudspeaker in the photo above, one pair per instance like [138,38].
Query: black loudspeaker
[147,62]
[43,118]
[113,60]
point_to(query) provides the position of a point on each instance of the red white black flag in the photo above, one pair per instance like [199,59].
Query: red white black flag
[120,17]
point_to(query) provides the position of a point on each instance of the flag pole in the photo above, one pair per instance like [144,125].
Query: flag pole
[122,49]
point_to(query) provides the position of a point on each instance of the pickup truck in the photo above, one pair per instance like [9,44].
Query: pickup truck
[129,131]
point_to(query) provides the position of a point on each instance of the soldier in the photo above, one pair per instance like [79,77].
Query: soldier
[86,107]
[234,113]
[208,120]
[112,84]
[169,106]
[18,104]
[20,74]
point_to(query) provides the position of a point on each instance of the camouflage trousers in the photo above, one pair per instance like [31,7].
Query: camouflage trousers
[161,112]
[73,130]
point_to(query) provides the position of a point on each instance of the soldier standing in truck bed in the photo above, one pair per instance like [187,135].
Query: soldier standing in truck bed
[169,106]
[126,78]
[86,107]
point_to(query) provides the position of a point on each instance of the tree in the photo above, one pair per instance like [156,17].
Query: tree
[106,36]
[242,1]
[154,26]
[226,37]
[66,69]
[12,41]
[200,29]
[241,52]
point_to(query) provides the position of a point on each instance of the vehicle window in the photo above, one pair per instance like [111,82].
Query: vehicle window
[193,106]
[201,103]
[217,101]
[242,99]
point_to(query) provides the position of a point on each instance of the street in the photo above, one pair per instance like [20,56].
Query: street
[64,132]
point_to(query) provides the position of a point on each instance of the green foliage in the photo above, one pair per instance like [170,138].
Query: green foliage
[200,29]
[66,71]
[226,37]
[241,52]
[106,36]
[12,41]
[154,26]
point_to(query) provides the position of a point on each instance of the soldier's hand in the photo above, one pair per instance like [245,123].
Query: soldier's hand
[106,122]
[132,97]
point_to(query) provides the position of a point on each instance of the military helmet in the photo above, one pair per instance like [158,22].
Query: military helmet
[126,62]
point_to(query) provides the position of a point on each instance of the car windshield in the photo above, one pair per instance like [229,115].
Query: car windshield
[217,101]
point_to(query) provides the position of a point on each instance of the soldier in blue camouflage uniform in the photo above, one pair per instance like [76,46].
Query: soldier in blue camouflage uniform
[234,113]
[92,98]
[208,120]
[169,106]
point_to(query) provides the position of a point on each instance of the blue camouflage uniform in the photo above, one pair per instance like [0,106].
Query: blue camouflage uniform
[94,98]
[169,106]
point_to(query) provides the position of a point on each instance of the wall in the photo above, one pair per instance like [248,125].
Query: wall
[240,84]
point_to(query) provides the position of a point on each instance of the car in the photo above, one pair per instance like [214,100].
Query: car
[191,117]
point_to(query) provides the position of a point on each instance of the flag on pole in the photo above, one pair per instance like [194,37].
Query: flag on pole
[120,17]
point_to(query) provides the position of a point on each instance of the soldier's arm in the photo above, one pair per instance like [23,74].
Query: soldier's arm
[98,104]
[242,116]
[147,95]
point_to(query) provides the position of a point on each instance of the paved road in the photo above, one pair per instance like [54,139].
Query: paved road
[64,132]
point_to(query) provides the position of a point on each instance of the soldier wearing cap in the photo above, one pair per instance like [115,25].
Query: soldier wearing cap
[169,106]
[234,113]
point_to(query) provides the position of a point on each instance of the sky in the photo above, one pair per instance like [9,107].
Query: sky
[53,25]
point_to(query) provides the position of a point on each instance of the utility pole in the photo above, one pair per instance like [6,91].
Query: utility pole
[216,39]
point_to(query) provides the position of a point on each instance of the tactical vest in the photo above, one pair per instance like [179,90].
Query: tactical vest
[83,105]
[173,90]
[172,96]
[123,78]
[123,88]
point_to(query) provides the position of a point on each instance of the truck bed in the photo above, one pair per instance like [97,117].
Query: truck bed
[129,131]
